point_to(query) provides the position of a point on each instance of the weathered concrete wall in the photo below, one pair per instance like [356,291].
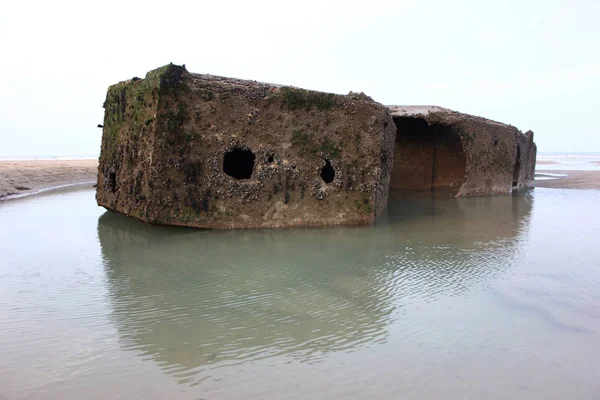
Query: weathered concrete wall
[459,154]
[526,157]
[212,152]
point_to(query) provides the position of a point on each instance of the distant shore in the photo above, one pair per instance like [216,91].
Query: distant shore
[544,162]
[568,171]
[23,177]
[569,180]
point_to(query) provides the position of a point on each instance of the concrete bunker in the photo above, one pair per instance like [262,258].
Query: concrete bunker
[428,157]
[212,152]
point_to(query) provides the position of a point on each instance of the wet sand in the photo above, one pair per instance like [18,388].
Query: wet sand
[572,180]
[31,176]
[544,162]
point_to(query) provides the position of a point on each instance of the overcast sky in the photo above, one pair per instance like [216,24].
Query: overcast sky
[532,64]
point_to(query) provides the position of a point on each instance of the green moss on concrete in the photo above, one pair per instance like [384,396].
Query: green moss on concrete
[192,136]
[171,124]
[365,205]
[172,80]
[303,142]
[207,95]
[301,99]
[329,148]
[307,144]
[131,105]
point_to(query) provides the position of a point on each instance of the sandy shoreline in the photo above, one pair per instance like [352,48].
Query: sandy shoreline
[31,176]
[545,162]
[572,180]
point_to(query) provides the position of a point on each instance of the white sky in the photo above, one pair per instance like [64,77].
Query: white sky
[532,64]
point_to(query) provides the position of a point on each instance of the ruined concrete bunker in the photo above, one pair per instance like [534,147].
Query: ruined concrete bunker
[212,152]
[453,154]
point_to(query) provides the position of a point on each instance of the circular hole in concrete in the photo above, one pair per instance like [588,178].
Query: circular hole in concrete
[327,172]
[239,163]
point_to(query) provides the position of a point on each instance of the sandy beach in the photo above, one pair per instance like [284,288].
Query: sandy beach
[545,162]
[572,180]
[568,171]
[30,176]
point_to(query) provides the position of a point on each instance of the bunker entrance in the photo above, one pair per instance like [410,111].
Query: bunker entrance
[427,158]
[239,163]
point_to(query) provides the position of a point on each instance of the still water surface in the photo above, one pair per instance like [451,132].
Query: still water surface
[491,297]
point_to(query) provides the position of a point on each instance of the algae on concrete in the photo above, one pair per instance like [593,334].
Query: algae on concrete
[213,152]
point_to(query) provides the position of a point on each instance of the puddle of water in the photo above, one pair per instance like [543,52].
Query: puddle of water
[489,297]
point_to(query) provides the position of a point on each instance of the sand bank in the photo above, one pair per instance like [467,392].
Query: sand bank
[544,162]
[572,180]
[30,176]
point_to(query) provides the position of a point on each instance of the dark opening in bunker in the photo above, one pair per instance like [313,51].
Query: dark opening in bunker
[427,158]
[239,163]
[112,181]
[327,172]
[517,170]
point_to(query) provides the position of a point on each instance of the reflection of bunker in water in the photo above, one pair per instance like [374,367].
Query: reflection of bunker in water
[465,222]
[190,299]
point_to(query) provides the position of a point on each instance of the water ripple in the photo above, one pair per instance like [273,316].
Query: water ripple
[434,283]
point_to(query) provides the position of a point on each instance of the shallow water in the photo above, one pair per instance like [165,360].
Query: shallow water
[491,297]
